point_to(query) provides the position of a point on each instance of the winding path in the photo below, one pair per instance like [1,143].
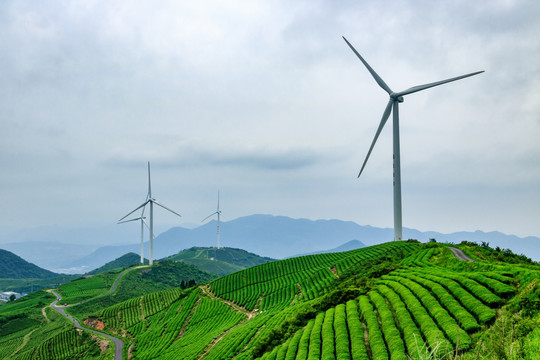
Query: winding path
[460,254]
[249,315]
[118,343]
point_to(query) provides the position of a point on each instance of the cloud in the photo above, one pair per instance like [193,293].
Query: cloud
[193,156]
[265,100]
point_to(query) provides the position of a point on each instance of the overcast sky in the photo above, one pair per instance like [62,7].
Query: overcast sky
[264,101]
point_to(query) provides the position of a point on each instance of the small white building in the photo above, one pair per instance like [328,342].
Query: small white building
[7,294]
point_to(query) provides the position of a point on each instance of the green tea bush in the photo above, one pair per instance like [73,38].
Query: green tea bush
[411,334]
[448,324]
[356,330]
[376,341]
[327,352]
[465,319]
[396,348]
[341,333]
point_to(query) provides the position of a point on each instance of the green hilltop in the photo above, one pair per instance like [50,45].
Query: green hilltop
[220,261]
[121,262]
[398,300]
[15,267]
[19,275]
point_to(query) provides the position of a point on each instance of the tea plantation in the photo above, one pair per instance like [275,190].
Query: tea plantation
[398,300]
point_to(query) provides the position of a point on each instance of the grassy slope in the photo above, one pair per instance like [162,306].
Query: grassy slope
[404,298]
[286,300]
[162,276]
[128,259]
[201,318]
[29,285]
[25,333]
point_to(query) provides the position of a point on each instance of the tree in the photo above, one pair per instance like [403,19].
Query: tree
[12,298]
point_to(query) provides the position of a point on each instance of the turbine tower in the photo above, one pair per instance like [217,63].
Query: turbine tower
[395,99]
[151,202]
[143,223]
[218,212]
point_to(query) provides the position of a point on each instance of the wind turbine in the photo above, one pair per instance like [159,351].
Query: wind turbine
[151,202]
[143,223]
[395,99]
[218,212]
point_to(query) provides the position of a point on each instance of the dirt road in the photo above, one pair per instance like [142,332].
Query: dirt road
[460,254]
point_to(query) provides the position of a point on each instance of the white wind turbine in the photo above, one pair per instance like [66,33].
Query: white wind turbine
[150,201]
[143,224]
[395,99]
[218,212]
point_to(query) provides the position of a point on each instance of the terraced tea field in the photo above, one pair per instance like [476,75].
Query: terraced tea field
[399,300]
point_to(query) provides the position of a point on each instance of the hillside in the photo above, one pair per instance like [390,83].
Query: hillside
[123,261]
[396,300]
[221,261]
[17,274]
[15,267]
[162,276]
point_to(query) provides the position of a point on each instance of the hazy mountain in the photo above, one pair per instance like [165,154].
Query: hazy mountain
[51,255]
[54,247]
[15,267]
[267,235]
[271,236]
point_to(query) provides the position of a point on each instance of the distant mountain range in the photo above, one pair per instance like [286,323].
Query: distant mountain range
[265,235]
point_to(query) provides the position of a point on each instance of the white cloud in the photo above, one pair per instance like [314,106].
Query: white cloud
[265,100]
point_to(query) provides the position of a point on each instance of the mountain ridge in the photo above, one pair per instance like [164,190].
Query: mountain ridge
[271,236]
[13,266]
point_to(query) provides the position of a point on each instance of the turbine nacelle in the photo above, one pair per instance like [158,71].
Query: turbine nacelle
[396,97]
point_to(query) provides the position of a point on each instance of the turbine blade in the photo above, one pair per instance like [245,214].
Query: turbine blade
[125,221]
[376,76]
[385,117]
[209,216]
[427,86]
[145,223]
[166,208]
[143,205]
[144,208]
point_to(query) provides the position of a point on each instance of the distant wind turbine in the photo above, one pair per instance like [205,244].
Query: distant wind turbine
[218,212]
[395,99]
[150,201]
[143,223]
